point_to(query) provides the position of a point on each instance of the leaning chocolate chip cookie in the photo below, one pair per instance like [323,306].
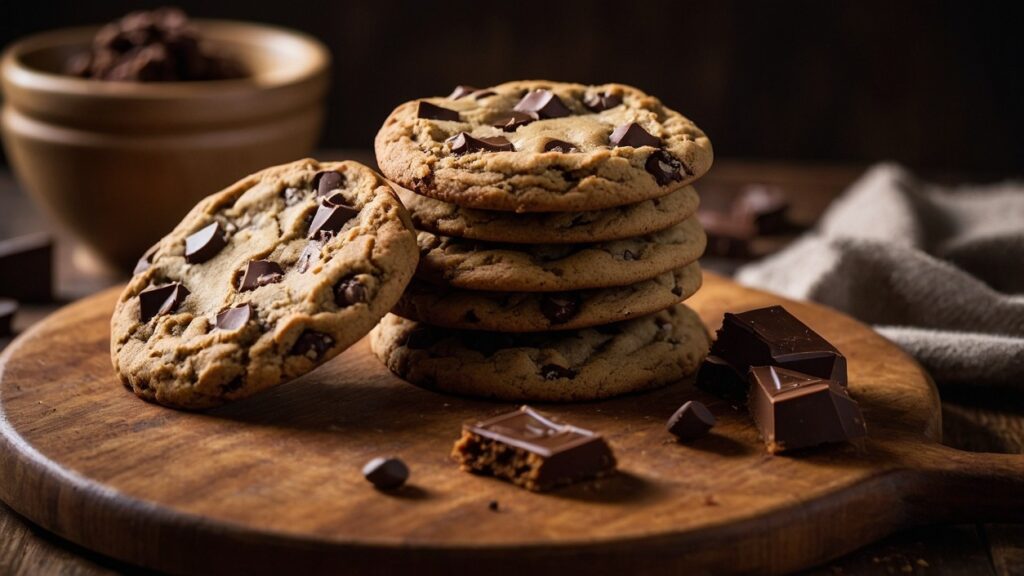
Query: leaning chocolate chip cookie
[261,283]
[536,146]
[588,364]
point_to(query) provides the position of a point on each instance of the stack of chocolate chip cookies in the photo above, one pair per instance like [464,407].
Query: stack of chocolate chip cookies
[557,237]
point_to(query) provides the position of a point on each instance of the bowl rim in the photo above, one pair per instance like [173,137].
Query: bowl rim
[14,70]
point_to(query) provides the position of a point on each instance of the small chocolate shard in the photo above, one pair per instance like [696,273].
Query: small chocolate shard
[559,146]
[542,104]
[146,261]
[664,167]
[350,291]
[556,372]
[513,121]
[312,344]
[691,421]
[634,135]
[309,253]
[205,243]
[559,308]
[327,181]
[160,300]
[386,473]
[601,101]
[234,318]
[463,143]
[260,273]
[429,111]
[461,91]
[331,215]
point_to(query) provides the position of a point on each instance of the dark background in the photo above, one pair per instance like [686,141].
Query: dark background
[936,85]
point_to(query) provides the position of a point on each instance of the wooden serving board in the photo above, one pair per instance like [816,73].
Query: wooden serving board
[273,484]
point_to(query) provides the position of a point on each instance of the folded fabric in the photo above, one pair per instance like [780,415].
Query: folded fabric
[939,271]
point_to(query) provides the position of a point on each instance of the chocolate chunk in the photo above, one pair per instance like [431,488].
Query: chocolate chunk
[26,269]
[599,102]
[160,300]
[331,215]
[493,506]
[555,372]
[205,244]
[349,291]
[311,251]
[386,473]
[513,121]
[734,217]
[234,318]
[532,451]
[312,345]
[628,255]
[146,261]
[691,421]
[542,104]
[430,111]
[794,410]
[664,167]
[559,146]
[634,135]
[717,377]
[8,308]
[559,308]
[327,181]
[260,273]
[463,143]
[461,91]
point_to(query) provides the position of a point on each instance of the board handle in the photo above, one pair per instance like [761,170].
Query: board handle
[957,486]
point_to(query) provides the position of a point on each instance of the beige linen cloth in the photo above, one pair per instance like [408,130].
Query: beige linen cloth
[939,271]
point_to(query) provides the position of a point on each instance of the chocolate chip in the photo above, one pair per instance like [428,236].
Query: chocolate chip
[463,143]
[691,421]
[634,135]
[160,300]
[558,308]
[205,244]
[677,290]
[628,255]
[386,473]
[312,345]
[559,146]
[260,273]
[8,308]
[234,318]
[542,104]
[349,291]
[555,372]
[513,121]
[461,91]
[331,215]
[146,261]
[429,111]
[311,251]
[493,506]
[599,102]
[327,181]
[664,167]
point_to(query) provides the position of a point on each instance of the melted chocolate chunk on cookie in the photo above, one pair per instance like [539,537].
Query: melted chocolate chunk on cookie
[555,372]
[628,255]
[634,135]
[542,104]
[559,146]
[331,215]
[234,318]
[312,344]
[463,143]
[429,111]
[664,167]
[146,261]
[205,244]
[160,300]
[560,308]
[350,291]
[327,181]
[599,102]
[260,273]
[513,121]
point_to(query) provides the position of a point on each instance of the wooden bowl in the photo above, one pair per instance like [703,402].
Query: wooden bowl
[119,163]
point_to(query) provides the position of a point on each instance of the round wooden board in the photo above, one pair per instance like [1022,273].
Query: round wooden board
[273,484]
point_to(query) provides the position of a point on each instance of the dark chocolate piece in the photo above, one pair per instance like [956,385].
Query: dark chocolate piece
[599,102]
[717,377]
[386,473]
[559,308]
[461,91]
[160,300]
[146,261]
[327,181]
[429,111]
[559,146]
[331,215]
[8,308]
[311,251]
[556,372]
[493,506]
[734,217]
[634,135]
[349,291]
[234,318]
[664,167]
[26,270]
[205,244]
[513,121]
[312,345]
[532,451]
[795,410]
[691,421]
[542,104]
[463,143]
[260,273]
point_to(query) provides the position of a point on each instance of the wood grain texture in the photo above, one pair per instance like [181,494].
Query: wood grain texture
[273,483]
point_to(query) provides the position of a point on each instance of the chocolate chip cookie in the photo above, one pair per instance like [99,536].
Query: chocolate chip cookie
[543,311]
[538,146]
[261,283]
[474,265]
[626,221]
[588,364]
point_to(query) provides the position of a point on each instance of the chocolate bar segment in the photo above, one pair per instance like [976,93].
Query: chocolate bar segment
[794,410]
[532,451]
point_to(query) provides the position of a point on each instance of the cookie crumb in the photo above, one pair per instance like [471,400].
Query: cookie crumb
[493,506]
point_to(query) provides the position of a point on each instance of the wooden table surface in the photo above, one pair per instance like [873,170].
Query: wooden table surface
[980,420]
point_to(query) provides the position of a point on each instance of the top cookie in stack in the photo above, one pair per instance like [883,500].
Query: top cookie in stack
[557,235]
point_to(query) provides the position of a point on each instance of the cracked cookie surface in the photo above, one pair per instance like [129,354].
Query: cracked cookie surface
[538,146]
[588,364]
[261,283]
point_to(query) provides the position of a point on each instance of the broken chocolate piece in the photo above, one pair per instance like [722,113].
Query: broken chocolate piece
[463,143]
[542,104]
[331,215]
[664,167]
[146,261]
[8,308]
[234,318]
[312,345]
[532,451]
[691,421]
[559,308]
[349,291]
[205,244]
[429,111]
[160,300]
[734,217]
[717,377]
[599,102]
[559,146]
[634,135]
[260,273]
[794,410]
[513,121]
[386,473]
[327,181]
[311,251]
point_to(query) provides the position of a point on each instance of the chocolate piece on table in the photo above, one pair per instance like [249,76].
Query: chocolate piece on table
[691,421]
[532,451]
[160,300]
[795,410]
[205,244]
[8,308]
[559,308]
[559,146]
[386,473]
[331,215]
[542,104]
[734,217]
[429,111]
[26,270]
[513,121]
[234,318]
[312,344]
[327,181]
[599,102]
[260,273]
[765,206]
[634,135]
[664,167]
[463,143]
